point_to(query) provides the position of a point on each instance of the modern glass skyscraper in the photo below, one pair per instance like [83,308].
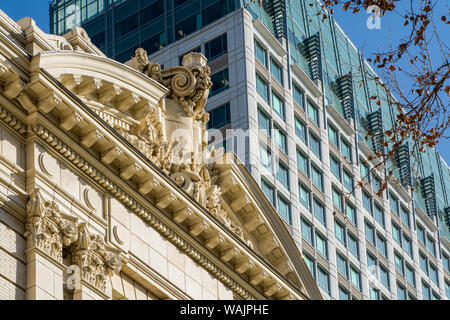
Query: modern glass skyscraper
[300,91]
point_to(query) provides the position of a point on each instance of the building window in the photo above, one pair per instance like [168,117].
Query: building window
[401,292]
[298,97]
[333,136]
[393,202]
[278,105]
[321,246]
[300,130]
[216,48]
[220,82]
[370,233]
[384,277]
[425,291]
[313,113]
[445,262]
[399,263]
[379,215]
[372,264]
[283,175]
[351,214]
[447,289]
[342,265]
[421,234]
[281,140]
[307,232]
[405,216]
[431,246]
[262,88]
[407,245]
[314,144]
[337,199]
[339,232]
[304,196]
[367,202]
[374,294]
[126,26]
[310,263]
[376,184]
[396,235]
[434,275]
[346,150]
[343,294]
[381,245]
[355,278]
[410,275]
[319,211]
[151,12]
[302,163]
[423,263]
[265,157]
[283,209]
[276,70]
[264,123]
[348,181]
[260,54]
[219,117]
[323,280]
[364,170]
[317,178]
[353,245]
[268,191]
[188,26]
[214,12]
[335,167]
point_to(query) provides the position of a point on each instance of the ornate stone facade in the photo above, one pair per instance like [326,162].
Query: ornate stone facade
[112,178]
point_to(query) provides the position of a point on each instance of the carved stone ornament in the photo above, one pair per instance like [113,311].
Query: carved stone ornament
[50,230]
[189,83]
[47,228]
[95,258]
[174,136]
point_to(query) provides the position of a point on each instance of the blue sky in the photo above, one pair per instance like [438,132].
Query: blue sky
[367,40]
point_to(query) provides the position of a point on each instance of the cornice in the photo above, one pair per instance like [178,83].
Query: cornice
[60,119]
[143,212]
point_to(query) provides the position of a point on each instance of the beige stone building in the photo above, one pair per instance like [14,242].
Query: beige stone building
[107,188]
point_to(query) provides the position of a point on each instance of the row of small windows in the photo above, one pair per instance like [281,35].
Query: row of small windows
[278,201]
[214,49]
[378,270]
[200,19]
[319,273]
[343,146]
[266,161]
[340,143]
[219,117]
[348,271]
[320,243]
[426,240]
[428,268]
[275,68]
[277,103]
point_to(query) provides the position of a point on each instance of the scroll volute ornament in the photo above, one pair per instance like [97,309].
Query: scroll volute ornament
[188,83]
